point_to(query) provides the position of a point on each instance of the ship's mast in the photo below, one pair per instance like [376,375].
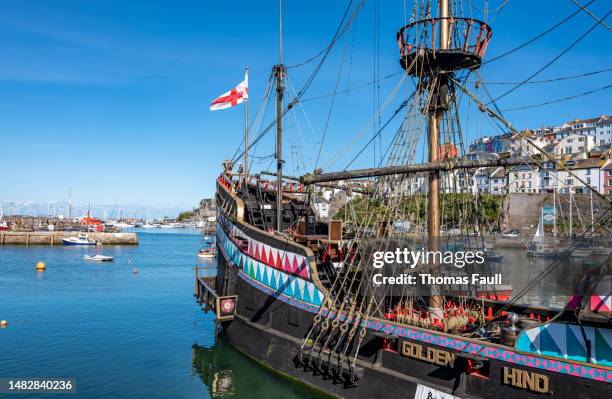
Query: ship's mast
[280,72]
[246,131]
[440,89]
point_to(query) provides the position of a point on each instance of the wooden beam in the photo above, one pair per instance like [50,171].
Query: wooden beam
[403,169]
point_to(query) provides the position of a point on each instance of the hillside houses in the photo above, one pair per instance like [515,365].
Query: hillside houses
[580,148]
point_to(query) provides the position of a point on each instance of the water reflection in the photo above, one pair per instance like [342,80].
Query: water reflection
[554,289]
[228,373]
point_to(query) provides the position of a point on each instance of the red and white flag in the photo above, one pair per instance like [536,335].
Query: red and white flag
[233,97]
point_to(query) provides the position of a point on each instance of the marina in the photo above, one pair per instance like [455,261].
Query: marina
[78,316]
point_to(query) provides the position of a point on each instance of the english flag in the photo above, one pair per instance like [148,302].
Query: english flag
[233,97]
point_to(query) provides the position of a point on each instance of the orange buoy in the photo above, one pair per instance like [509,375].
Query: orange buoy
[3,323]
[40,266]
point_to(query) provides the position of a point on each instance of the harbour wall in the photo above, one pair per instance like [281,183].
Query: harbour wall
[55,237]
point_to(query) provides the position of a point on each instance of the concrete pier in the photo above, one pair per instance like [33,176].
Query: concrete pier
[55,237]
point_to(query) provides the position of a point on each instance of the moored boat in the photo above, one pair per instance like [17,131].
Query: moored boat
[98,258]
[80,239]
[208,252]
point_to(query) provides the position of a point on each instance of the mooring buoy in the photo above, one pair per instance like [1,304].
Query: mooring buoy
[40,266]
[3,323]
[135,271]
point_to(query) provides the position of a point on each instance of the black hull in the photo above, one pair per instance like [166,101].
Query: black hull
[262,331]
[279,293]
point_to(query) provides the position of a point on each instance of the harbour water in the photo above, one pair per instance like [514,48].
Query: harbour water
[118,333]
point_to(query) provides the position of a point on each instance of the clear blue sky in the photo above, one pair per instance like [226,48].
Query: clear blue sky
[111,97]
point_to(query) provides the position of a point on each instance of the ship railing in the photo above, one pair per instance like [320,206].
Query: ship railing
[223,306]
[465,34]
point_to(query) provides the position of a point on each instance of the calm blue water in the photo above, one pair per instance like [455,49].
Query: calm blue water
[121,334]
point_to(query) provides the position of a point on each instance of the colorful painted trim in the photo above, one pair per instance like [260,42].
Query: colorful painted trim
[286,261]
[279,295]
[555,366]
[601,299]
[289,285]
[566,341]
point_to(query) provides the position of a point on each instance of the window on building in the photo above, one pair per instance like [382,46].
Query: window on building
[569,182]
[588,180]
[588,172]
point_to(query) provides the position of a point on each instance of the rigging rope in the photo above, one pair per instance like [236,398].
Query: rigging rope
[606,87]
[574,43]
[538,36]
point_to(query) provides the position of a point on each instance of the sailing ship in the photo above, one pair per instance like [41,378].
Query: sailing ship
[296,294]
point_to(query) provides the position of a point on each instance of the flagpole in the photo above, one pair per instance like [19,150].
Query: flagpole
[246,130]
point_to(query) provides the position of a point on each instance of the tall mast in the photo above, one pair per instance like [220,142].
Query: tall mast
[555,207]
[435,115]
[69,203]
[280,73]
[570,212]
[592,218]
[246,131]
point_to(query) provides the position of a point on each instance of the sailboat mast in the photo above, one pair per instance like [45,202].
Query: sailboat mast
[570,212]
[435,116]
[280,72]
[69,203]
[555,208]
[592,219]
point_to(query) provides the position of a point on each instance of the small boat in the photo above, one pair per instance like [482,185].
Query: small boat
[80,239]
[493,256]
[98,258]
[3,224]
[209,252]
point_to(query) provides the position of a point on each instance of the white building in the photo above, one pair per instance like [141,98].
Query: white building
[498,181]
[526,146]
[600,128]
[588,170]
[574,144]
[524,179]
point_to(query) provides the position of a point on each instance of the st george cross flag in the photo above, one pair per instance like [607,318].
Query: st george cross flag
[233,97]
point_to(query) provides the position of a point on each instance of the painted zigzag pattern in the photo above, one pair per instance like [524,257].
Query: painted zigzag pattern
[278,281]
[566,341]
[281,260]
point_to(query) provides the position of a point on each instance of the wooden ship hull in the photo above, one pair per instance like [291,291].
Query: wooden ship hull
[278,293]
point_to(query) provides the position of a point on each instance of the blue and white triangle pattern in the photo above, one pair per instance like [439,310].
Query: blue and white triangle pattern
[287,284]
[567,341]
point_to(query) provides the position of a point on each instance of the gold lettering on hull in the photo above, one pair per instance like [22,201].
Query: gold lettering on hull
[428,354]
[526,380]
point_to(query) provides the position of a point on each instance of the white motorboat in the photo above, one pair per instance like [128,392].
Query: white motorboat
[209,252]
[80,239]
[98,258]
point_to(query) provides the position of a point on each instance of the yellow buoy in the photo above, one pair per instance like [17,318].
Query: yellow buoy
[3,323]
[41,266]
[135,271]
